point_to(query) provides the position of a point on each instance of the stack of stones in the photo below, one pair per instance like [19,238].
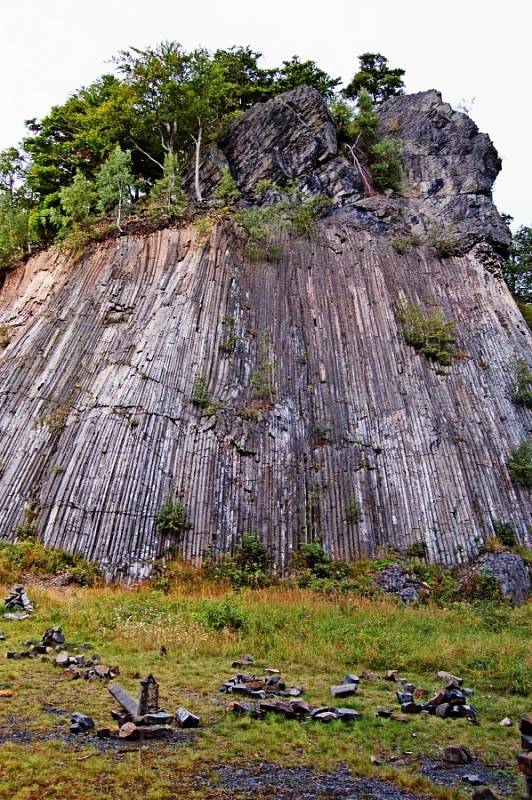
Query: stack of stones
[18,601]
[452,701]
[144,719]
[52,639]
[259,688]
[524,759]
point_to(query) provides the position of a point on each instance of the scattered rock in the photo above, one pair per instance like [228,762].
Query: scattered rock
[6,693]
[457,754]
[185,719]
[81,723]
[344,690]
[472,780]
[449,679]
[506,722]
[484,794]
[128,731]
[399,580]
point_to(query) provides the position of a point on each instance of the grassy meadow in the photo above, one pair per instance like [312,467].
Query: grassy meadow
[311,639]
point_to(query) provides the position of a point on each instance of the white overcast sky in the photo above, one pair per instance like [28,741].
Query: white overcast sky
[465,48]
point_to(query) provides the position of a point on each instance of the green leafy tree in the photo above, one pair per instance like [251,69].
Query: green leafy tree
[295,73]
[166,195]
[375,77]
[115,183]
[517,270]
[78,201]
[227,190]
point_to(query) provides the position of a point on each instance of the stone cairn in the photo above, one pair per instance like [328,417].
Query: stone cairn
[17,603]
[143,718]
[452,701]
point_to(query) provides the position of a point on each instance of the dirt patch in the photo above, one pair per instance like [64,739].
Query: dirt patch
[78,742]
[496,778]
[269,781]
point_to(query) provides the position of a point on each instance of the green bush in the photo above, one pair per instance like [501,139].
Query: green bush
[520,463]
[227,190]
[402,243]
[444,242]
[505,532]
[28,555]
[353,512]
[521,388]
[171,518]
[200,395]
[248,567]
[217,615]
[431,334]
[385,165]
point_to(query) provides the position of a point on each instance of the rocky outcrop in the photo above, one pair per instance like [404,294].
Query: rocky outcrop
[313,401]
[510,571]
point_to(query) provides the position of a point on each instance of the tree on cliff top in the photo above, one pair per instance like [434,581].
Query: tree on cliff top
[375,77]
[517,271]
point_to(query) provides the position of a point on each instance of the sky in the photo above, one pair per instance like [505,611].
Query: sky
[475,51]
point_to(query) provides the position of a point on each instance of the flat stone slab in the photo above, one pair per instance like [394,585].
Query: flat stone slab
[122,697]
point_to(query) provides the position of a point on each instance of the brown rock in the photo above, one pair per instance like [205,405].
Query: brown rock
[457,754]
[129,731]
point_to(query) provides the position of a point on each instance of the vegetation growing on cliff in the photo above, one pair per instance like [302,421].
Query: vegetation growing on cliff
[429,333]
[124,142]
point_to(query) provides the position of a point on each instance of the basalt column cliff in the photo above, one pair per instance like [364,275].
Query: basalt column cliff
[319,421]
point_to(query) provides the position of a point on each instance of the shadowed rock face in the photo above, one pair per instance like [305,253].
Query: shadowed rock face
[316,400]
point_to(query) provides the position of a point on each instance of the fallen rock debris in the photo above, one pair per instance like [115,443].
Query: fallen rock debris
[143,718]
[259,688]
[18,604]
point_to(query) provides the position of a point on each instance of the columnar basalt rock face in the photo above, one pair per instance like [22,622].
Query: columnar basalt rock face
[316,401]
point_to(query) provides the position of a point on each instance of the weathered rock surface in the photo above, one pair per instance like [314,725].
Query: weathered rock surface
[511,572]
[96,419]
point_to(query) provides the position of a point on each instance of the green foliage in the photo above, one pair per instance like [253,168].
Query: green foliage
[296,73]
[171,519]
[375,77]
[385,165]
[200,395]
[218,615]
[517,270]
[227,190]
[115,184]
[521,387]
[14,204]
[431,334]
[166,195]
[417,550]
[519,463]
[377,159]
[401,244]
[29,556]
[78,201]
[481,587]
[262,226]
[526,311]
[263,186]
[248,566]
[353,512]
[229,340]
[261,378]
[444,242]
[505,532]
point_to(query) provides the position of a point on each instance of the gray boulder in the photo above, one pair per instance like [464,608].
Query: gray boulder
[511,572]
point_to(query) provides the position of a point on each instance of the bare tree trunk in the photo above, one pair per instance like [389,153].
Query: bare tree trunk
[197,140]
[119,213]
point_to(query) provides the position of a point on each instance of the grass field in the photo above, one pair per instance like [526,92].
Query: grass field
[312,640]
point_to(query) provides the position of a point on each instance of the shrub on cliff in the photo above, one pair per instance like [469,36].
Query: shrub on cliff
[521,386]
[520,463]
[429,333]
